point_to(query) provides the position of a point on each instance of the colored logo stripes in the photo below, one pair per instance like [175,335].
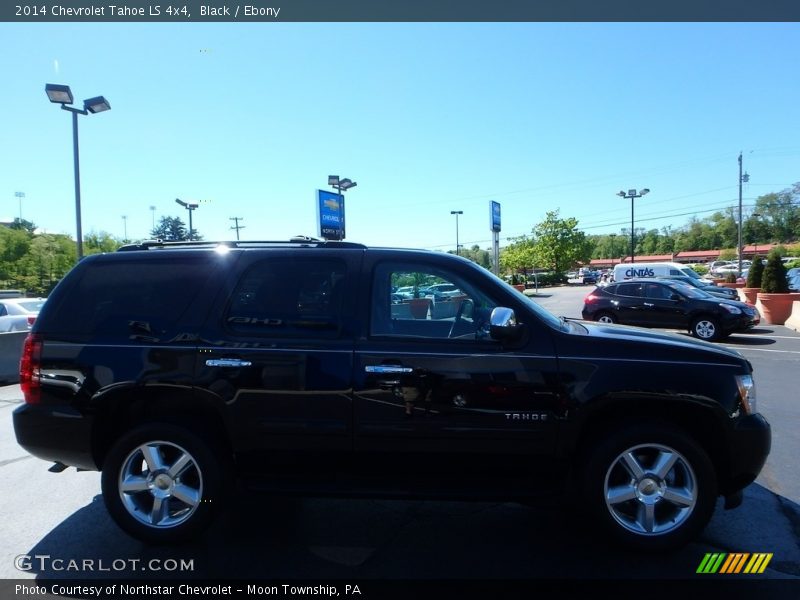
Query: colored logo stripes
[734,563]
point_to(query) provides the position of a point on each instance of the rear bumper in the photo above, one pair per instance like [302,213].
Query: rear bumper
[55,433]
[751,440]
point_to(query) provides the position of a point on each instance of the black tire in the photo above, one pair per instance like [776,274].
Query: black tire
[605,317]
[187,482]
[706,328]
[640,505]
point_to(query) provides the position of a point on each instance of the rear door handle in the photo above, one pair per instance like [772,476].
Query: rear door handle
[648,304]
[228,362]
[387,369]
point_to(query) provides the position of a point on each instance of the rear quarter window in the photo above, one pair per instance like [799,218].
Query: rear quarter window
[127,297]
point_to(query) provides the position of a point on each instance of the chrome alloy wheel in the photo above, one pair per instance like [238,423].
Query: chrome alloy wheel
[650,489]
[160,484]
[705,329]
[605,319]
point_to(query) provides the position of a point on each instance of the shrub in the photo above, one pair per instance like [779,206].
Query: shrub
[774,278]
[755,273]
[699,269]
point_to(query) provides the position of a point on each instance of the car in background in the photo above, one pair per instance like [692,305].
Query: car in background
[704,285]
[18,314]
[583,277]
[669,305]
[793,277]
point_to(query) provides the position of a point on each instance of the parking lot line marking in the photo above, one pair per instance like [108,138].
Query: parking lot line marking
[743,348]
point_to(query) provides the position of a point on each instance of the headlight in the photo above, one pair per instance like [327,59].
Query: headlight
[747,393]
[734,310]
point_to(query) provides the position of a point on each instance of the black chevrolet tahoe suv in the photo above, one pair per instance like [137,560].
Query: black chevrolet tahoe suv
[182,370]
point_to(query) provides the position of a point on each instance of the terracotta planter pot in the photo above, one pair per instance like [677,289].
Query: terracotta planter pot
[519,287]
[733,286]
[776,308]
[750,294]
[420,307]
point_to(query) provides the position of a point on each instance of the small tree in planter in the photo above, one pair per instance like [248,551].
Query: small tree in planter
[753,284]
[755,273]
[776,301]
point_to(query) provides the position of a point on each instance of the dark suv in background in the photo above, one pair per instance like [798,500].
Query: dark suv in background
[293,367]
[671,305]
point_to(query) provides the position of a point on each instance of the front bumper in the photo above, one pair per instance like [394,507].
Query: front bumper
[55,433]
[751,440]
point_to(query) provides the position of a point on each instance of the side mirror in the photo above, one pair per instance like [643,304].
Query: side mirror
[503,324]
[676,297]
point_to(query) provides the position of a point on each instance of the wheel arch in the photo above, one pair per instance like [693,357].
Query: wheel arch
[703,423]
[126,407]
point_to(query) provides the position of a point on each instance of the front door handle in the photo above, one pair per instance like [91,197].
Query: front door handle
[387,369]
[228,362]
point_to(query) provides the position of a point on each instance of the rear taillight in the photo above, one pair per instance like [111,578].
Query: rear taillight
[30,369]
[31,319]
[590,298]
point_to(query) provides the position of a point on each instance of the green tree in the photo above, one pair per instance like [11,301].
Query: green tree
[774,278]
[558,245]
[755,274]
[476,255]
[24,225]
[172,229]
[518,256]
[95,243]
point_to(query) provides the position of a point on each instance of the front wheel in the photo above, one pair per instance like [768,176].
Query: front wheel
[605,317]
[706,328]
[162,483]
[651,487]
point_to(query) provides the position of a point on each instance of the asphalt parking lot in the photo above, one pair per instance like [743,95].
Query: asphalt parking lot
[62,516]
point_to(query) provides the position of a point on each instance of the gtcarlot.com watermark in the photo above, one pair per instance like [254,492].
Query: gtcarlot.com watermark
[47,563]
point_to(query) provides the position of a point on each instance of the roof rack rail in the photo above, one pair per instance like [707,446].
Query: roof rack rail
[295,241]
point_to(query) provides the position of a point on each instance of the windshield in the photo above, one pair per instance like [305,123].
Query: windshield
[690,273]
[689,291]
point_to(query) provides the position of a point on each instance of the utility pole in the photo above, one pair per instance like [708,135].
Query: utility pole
[742,179]
[237,227]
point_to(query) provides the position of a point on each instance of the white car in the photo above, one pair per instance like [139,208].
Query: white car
[18,314]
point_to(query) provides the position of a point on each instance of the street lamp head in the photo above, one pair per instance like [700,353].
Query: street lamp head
[96,105]
[346,184]
[645,191]
[181,202]
[631,192]
[333,180]
[58,94]
[621,194]
[456,212]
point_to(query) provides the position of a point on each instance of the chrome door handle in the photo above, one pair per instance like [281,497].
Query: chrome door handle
[387,369]
[647,304]
[228,362]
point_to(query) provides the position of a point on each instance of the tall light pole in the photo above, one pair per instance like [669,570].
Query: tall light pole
[190,206]
[61,94]
[633,194]
[342,185]
[742,179]
[20,196]
[456,213]
[153,211]
[125,227]
[237,227]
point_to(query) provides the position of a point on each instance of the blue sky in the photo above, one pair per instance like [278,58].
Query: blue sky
[427,118]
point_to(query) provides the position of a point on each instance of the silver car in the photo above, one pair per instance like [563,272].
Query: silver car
[18,314]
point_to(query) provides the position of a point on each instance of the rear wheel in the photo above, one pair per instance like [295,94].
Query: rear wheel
[605,317]
[706,328]
[162,483]
[650,486]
